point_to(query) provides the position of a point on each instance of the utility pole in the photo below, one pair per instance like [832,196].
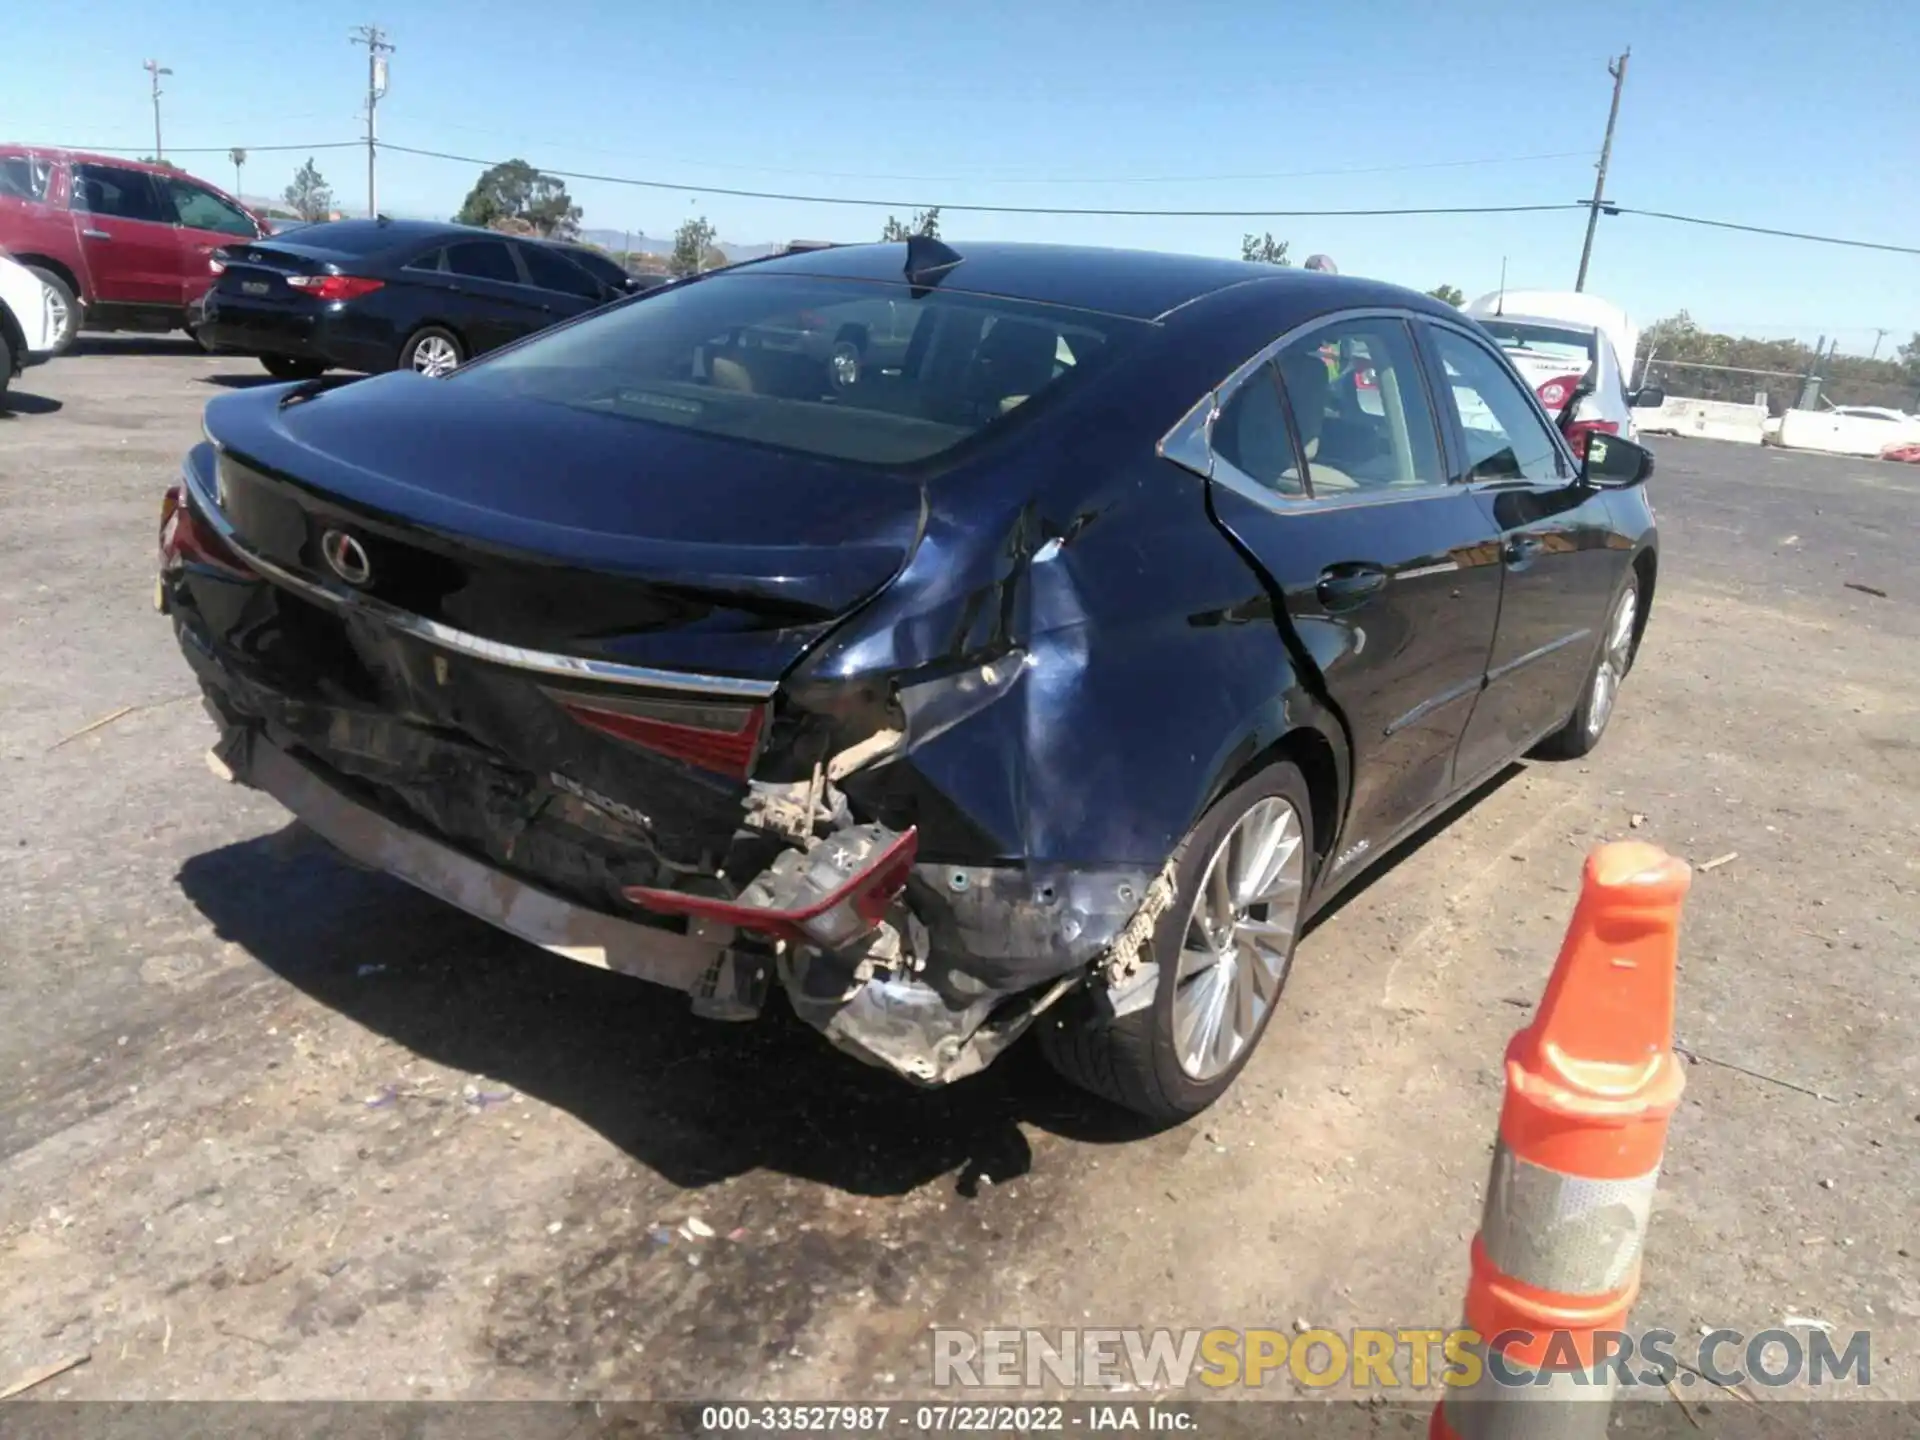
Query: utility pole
[1618,70]
[375,39]
[155,70]
[1878,335]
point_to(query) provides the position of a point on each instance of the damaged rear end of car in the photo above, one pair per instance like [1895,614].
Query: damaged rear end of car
[721,640]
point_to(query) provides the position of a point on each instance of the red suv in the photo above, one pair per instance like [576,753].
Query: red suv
[124,245]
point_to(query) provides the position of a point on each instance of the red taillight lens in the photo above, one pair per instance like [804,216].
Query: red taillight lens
[1554,394]
[851,910]
[185,539]
[1577,432]
[334,287]
[722,738]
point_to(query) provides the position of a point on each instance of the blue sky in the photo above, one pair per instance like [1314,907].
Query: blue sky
[1798,116]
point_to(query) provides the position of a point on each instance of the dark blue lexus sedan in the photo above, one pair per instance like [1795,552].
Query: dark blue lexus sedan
[963,640]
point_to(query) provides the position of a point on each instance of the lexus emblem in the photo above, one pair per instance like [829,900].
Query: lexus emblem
[346,557]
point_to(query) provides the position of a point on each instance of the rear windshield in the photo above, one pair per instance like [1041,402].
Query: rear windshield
[1554,341]
[870,373]
[349,237]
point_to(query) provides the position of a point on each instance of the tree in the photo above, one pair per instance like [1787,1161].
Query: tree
[239,158]
[1448,294]
[691,242]
[1265,249]
[1681,349]
[925,222]
[514,190]
[164,164]
[309,195]
[713,258]
[1910,358]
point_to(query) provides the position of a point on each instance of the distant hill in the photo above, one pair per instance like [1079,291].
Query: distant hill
[656,245]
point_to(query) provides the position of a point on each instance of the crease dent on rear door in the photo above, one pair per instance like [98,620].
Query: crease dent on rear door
[1327,467]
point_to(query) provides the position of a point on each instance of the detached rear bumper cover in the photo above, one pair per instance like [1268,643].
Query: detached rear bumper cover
[894,1020]
[569,930]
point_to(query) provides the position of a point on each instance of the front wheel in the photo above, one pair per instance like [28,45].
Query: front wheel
[1589,719]
[431,351]
[291,367]
[1224,948]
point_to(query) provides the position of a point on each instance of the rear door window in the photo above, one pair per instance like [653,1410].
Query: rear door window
[1360,406]
[1251,434]
[551,271]
[108,190]
[867,372]
[483,260]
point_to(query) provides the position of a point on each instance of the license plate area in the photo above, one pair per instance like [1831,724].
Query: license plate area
[253,287]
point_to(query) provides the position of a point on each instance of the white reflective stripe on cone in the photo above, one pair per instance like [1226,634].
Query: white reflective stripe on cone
[1564,1233]
[1536,1406]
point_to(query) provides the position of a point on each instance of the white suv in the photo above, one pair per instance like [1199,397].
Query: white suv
[28,322]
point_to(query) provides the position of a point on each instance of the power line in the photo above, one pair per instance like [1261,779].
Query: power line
[960,208]
[1002,178]
[1765,230]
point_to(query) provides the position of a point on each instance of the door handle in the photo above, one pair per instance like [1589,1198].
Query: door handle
[95,235]
[1345,587]
[1520,550]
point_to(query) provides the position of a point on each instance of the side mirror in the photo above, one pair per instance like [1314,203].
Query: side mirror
[1615,463]
[1648,397]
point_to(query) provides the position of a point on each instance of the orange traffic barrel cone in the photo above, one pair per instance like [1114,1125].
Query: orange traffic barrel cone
[1591,1084]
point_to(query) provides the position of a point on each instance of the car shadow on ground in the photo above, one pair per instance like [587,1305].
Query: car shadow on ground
[695,1101]
[14,403]
[239,382]
[134,345]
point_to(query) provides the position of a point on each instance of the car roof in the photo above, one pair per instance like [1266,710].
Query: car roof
[88,157]
[1141,284]
[396,232]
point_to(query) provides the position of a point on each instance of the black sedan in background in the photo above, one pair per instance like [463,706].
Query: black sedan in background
[377,295]
[1042,654]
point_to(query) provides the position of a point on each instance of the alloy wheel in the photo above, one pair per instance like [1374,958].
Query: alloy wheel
[1238,939]
[58,314]
[435,355]
[1614,659]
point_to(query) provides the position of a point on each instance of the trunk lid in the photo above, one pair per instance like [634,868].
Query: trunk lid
[258,269]
[542,527]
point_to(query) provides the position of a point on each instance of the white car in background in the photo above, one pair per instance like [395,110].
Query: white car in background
[28,327]
[1562,340]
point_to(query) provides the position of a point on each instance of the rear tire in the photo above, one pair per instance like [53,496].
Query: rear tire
[1155,1061]
[432,350]
[1602,691]
[289,367]
[68,307]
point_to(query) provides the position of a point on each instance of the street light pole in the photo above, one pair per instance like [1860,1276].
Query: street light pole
[155,70]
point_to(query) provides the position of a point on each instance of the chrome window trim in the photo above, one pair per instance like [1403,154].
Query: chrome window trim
[1177,444]
[446,637]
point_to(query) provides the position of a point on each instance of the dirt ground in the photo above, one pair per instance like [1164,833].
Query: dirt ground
[274,1128]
